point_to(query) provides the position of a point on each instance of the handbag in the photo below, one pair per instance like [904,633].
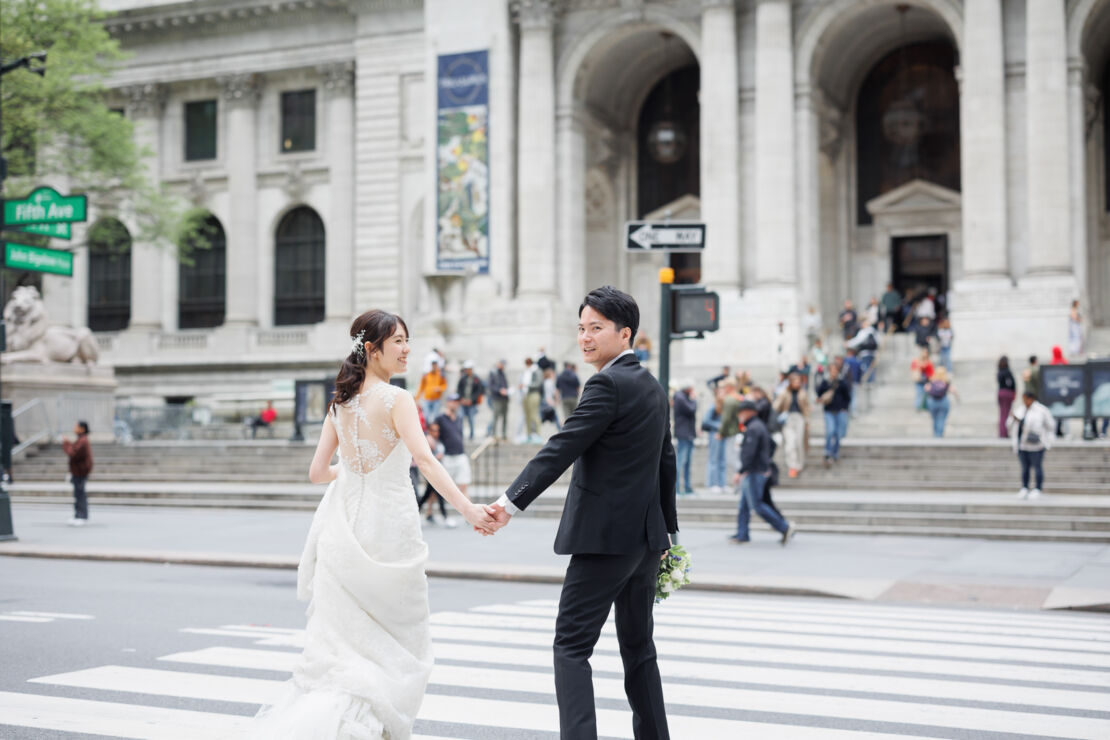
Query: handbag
[825,398]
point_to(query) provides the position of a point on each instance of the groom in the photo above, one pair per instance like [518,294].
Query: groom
[619,510]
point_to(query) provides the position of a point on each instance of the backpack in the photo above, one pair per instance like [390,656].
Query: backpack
[535,382]
[870,344]
[937,390]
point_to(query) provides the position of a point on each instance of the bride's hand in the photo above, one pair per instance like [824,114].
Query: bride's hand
[478,517]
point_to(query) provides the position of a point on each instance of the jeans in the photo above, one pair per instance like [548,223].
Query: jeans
[1031,459]
[80,499]
[865,362]
[431,410]
[751,499]
[500,406]
[918,394]
[938,409]
[836,427]
[468,413]
[946,358]
[684,452]
[715,468]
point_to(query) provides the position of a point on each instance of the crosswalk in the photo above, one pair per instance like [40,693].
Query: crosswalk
[40,616]
[733,667]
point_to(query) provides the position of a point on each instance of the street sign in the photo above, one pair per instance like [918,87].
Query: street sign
[58,231]
[696,310]
[37,259]
[45,205]
[664,236]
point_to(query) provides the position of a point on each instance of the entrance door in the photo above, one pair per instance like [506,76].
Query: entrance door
[919,263]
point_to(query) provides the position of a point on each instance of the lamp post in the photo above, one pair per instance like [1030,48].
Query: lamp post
[34,63]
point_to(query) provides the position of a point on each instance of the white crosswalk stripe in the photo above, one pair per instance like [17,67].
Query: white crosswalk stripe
[732,667]
[40,616]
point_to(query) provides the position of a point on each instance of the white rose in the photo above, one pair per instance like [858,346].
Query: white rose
[667,588]
[676,576]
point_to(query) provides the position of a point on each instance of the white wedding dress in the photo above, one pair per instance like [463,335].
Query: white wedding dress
[367,653]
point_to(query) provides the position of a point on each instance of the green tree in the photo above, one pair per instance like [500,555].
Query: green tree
[59,124]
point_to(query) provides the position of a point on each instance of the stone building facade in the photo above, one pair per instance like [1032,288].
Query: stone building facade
[829,145]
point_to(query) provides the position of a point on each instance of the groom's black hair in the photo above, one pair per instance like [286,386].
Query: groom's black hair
[615,305]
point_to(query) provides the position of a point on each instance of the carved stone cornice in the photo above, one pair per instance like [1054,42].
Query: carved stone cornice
[339,78]
[146,100]
[240,90]
[536,14]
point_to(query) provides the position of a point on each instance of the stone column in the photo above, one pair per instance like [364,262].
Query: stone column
[339,81]
[1046,77]
[983,142]
[145,104]
[776,250]
[536,246]
[239,96]
[720,144]
[573,280]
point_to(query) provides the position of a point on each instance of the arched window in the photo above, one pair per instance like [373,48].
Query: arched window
[202,286]
[908,122]
[299,268]
[109,275]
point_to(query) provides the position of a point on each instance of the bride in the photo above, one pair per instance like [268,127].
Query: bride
[367,654]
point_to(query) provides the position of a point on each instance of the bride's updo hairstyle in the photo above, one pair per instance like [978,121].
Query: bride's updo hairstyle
[375,327]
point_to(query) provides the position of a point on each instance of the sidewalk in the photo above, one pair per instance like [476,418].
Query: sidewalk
[1005,574]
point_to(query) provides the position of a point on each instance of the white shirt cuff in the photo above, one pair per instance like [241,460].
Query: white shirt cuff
[507,505]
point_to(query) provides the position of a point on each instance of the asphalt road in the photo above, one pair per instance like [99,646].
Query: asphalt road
[733,665]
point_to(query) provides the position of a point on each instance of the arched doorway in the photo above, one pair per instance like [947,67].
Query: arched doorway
[884,110]
[1093,27]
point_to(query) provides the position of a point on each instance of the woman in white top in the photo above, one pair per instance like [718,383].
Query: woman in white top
[1031,431]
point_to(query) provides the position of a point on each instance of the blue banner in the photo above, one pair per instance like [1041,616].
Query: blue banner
[462,161]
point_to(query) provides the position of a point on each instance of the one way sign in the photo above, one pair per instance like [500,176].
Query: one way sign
[664,236]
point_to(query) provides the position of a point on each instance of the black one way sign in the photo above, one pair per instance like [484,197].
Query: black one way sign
[664,236]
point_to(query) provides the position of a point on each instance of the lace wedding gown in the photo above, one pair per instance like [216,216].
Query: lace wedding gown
[367,653]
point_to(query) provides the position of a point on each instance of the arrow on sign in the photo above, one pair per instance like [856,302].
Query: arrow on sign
[662,236]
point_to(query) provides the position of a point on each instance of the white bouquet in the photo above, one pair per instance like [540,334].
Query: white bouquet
[674,572]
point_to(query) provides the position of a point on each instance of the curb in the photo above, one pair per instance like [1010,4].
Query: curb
[469,571]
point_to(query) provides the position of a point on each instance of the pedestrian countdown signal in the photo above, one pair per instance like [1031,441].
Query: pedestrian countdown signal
[695,310]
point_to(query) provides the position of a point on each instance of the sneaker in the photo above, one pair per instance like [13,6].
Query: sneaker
[1035,493]
[793,472]
[1023,493]
[450,523]
[788,534]
[717,490]
[737,541]
[78,522]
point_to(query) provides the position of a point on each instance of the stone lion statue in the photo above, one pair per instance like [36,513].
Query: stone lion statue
[31,337]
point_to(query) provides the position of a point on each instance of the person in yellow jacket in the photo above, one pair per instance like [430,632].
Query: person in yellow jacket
[432,387]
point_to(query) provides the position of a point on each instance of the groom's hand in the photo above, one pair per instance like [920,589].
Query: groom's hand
[499,514]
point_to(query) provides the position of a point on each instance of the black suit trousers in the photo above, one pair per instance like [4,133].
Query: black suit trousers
[593,585]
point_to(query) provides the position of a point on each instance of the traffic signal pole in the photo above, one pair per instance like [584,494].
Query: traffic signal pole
[666,279]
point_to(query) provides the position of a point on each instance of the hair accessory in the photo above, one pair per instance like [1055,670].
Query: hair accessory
[356,343]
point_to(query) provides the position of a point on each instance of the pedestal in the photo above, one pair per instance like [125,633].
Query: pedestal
[68,392]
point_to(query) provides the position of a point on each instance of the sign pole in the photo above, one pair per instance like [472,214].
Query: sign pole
[666,278]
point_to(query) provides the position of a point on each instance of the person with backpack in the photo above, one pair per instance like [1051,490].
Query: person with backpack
[937,391]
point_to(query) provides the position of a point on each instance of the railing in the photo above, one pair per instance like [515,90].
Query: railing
[31,409]
[485,464]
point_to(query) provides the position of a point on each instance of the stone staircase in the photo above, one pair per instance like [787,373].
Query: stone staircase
[942,488]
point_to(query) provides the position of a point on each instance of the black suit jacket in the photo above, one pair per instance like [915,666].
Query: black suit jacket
[622,490]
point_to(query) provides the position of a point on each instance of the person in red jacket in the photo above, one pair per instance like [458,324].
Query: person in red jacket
[265,418]
[80,465]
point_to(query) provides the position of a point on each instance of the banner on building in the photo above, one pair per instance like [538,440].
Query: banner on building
[462,162]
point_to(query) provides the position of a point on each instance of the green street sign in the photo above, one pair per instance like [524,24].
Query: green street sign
[37,259]
[58,231]
[45,205]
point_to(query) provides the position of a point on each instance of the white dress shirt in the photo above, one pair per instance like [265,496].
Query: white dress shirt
[504,501]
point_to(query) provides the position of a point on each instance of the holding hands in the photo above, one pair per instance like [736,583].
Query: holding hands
[497,518]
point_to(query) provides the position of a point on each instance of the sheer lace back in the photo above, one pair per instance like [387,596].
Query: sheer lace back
[365,428]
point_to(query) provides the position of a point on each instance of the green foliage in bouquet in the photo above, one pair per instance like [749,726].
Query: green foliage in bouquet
[674,572]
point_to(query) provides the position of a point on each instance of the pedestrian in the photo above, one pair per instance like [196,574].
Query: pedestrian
[872,312]
[433,357]
[470,392]
[730,417]
[430,392]
[265,418]
[944,343]
[550,400]
[543,362]
[714,382]
[568,385]
[834,392]
[430,493]
[854,370]
[849,320]
[1058,359]
[498,389]
[755,466]
[922,331]
[792,407]
[455,460]
[80,456]
[531,390]
[926,308]
[812,326]
[1031,426]
[1007,391]
[921,369]
[1075,330]
[685,431]
[715,458]
[1031,377]
[891,309]
[802,368]
[866,344]
[642,348]
[937,391]
[820,361]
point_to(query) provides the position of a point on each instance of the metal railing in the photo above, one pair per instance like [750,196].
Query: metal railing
[30,412]
[485,463]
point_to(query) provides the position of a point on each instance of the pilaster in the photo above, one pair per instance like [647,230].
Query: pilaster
[339,81]
[145,105]
[239,95]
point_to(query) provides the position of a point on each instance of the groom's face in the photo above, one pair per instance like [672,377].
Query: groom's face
[598,338]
